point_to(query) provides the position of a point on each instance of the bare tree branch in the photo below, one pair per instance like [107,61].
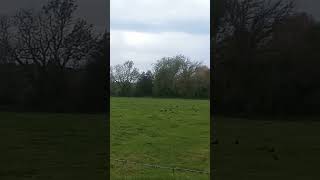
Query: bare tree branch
[52,37]
[252,20]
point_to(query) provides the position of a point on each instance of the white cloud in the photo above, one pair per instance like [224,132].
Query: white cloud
[146,30]
[144,48]
[159,11]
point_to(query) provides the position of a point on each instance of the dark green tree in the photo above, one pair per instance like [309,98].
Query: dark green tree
[145,84]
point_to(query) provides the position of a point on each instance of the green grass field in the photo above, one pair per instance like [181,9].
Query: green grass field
[52,146]
[168,132]
[279,149]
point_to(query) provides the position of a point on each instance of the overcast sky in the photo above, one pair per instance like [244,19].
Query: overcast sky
[147,30]
[310,6]
[93,11]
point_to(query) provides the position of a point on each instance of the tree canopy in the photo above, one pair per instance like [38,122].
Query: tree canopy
[176,76]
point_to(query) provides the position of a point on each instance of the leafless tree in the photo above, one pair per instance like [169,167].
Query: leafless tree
[245,31]
[124,76]
[4,39]
[52,36]
[125,73]
[250,22]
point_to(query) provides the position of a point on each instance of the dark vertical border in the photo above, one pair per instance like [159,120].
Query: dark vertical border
[108,90]
[212,134]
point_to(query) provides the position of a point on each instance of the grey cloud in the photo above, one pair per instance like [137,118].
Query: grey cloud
[94,11]
[200,27]
[310,6]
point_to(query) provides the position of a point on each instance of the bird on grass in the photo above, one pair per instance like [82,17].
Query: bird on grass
[271,149]
[237,141]
[215,141]
[275,157]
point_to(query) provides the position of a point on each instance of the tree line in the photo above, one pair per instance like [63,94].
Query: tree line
[265,58]
[52,61]
[174,77]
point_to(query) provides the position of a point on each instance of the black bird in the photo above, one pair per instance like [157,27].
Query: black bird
[271,149]
[215,141]
[237,141]
[275,157]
